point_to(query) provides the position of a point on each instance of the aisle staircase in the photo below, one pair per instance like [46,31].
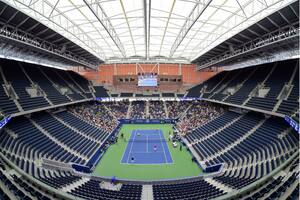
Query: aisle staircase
[166,110]
[129,110]
[76,184]
[147,192]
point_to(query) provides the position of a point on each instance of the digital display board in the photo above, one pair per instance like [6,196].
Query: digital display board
[147,81]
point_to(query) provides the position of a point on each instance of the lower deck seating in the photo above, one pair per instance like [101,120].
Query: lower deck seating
[210,127]
[278,186]
[30,143]
[74,140]
[59,181]
[250,145]
[12,188]
[276,194]
[92,190]
[194,190]
[176,108]
[118,108]
[257,153]
[234,182]
[266,189]
[81,125]
[157,110]
[138,109]
[34,192]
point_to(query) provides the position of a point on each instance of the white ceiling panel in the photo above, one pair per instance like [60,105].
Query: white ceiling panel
[147,28]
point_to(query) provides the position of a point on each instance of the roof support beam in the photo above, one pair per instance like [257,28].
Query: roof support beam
[284,17]
[196,12]
[41,45]
[145,27]
[102,17]
[253,32]
[166,27]
[281,35]
[296,13]
[32,27]
[129,28]
[42,31]
[22,22]
[3,9]
[262,27]
[149,26]
[12,17]
[275,24]
[50,36]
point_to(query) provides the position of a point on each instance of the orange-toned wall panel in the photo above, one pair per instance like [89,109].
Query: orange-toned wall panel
[190,75]
[105,74]
[169,69]
[125,69]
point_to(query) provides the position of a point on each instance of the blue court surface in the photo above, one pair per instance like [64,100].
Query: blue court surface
[141,147]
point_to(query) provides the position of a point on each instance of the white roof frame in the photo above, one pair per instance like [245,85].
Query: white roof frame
[148,28]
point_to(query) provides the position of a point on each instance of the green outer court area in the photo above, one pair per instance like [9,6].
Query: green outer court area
[110,164]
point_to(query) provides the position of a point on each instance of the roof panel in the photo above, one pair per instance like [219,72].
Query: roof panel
[120,27]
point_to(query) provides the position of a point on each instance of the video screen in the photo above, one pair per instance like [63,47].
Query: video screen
[147,80]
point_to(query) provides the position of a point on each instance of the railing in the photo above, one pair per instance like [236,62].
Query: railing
[4,121]
[292,123]
[111,99]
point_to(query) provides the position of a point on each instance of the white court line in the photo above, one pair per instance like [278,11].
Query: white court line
[163,147]
[131,145]
[147,143]
[149,152]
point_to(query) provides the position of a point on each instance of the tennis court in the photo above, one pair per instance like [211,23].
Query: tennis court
[111,162]
[147,147]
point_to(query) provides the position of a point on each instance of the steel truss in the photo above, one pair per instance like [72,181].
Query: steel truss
[15,34]
[174,32]
[280,35]
[102,17]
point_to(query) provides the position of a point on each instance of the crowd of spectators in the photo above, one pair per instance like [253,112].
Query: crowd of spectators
[191,114]
[198,114]
[176,108]
[118,108]
[97,115]
[157,110]
[138,110]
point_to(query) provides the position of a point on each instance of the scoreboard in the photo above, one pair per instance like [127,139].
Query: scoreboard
[147,80]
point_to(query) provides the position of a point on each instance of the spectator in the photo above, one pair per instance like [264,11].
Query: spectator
[198,114]
[157,110]
[138,109]
[96,114]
